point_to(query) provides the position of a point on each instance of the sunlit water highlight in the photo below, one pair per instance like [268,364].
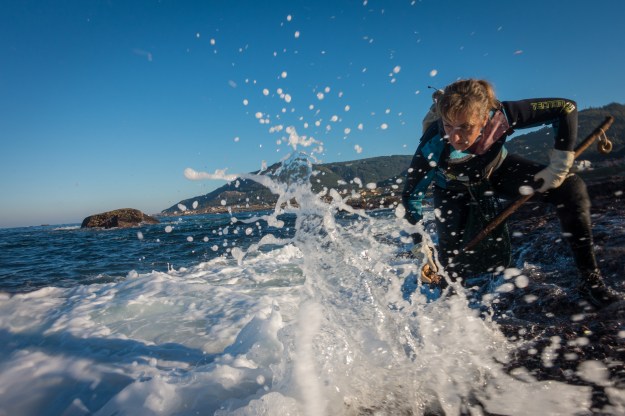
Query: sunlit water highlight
[299,311]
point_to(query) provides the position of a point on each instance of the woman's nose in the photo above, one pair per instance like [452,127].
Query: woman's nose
[455,137]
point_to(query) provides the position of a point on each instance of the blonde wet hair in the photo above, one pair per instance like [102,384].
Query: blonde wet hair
[475,97]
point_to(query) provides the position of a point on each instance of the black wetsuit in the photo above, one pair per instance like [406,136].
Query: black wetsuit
[463,181]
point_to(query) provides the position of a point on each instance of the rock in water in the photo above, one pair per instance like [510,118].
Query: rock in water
[119,218]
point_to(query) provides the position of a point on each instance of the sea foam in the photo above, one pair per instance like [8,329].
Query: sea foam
[314,323]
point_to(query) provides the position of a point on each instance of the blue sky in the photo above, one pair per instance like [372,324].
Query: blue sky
[103,104]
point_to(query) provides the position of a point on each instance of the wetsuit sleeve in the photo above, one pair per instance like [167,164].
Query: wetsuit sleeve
[560,113]
[420,174]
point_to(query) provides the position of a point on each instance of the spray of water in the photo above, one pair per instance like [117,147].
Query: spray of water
[314,321]
[356,345]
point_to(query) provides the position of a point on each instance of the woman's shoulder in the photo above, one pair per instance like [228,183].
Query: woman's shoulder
[432,141]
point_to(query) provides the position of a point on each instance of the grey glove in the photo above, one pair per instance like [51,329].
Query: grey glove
[560,162]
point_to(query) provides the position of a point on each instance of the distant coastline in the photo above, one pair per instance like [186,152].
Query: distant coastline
[599,182]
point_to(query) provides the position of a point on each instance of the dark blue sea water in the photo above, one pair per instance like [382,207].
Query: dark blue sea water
[66,255]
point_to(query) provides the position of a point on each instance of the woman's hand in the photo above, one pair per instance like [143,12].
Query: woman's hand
[560,162]
[424,255]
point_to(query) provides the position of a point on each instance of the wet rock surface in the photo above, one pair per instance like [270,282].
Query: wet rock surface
[561,336]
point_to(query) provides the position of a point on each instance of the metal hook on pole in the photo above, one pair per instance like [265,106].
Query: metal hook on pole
[604,145]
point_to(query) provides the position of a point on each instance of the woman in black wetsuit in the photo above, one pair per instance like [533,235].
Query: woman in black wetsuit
[462,151]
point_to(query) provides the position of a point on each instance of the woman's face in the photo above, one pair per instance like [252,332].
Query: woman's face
[464,130]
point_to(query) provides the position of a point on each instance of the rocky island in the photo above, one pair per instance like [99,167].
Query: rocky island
[119,218]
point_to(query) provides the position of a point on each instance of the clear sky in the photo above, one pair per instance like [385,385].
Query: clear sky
[103,104]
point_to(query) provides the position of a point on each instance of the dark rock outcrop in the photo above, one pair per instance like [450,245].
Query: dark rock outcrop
[549,311]
[119,218]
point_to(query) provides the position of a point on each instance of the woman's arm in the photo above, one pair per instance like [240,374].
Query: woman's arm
[560,113]
[420,174]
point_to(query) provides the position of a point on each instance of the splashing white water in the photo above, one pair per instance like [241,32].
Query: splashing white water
[314,324]
[375,350]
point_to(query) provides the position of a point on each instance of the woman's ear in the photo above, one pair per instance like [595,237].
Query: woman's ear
[483,124]
[486,120]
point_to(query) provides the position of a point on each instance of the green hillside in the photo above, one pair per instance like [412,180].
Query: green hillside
[246,194]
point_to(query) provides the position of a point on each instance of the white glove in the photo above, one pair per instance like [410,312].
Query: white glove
[560,161]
